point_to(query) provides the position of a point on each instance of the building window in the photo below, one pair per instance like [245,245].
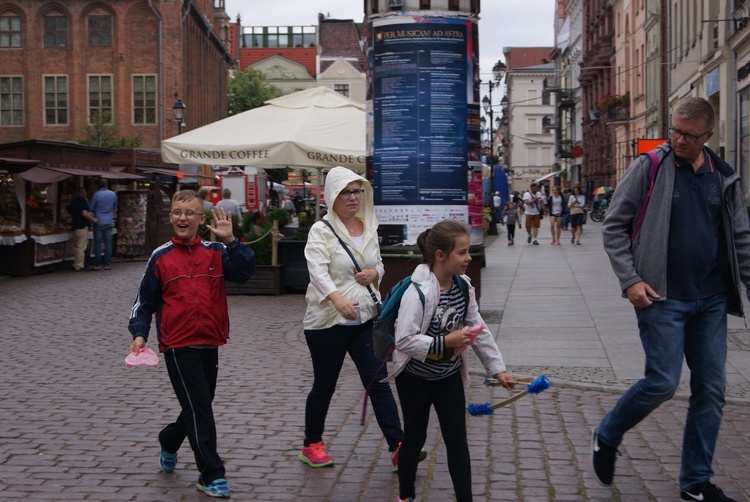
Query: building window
[100,99]
[100,31]
[11,101]
[144,99]
[10,31]
[454,5]
[56,100]
[424,4]
[55,31]
[279,36]
[342,89]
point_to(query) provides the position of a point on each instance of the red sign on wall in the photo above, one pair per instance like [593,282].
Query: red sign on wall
[646,145]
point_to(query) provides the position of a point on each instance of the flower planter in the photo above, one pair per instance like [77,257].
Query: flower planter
[294,265]
[266,280]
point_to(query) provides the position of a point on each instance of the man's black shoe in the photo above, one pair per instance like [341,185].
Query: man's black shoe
[603,459]
[529,239]
[705,492]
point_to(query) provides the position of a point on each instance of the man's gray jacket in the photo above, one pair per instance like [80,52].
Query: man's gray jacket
[645,259]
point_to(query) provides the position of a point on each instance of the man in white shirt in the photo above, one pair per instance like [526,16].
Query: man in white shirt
[533,207]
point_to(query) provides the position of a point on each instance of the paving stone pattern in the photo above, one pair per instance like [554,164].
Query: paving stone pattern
[75,424]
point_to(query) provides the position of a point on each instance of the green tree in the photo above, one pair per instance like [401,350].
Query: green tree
[248,90]
[102,133]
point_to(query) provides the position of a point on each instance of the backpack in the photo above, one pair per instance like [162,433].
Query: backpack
[384,327]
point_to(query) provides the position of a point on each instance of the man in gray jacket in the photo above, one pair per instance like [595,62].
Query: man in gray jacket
[682,272]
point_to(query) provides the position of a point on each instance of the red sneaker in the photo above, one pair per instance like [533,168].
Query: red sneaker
[315,455]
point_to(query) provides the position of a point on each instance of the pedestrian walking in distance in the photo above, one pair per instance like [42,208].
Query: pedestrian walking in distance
[681,267]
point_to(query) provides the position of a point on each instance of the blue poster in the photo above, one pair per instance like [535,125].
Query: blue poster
[419,76]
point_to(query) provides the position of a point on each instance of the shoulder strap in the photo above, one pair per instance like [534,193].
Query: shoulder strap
[354,260]
[653,169]
[464,287]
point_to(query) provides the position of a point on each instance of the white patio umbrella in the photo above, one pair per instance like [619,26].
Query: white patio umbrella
[314,128]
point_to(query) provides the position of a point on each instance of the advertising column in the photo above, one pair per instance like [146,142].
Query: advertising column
[425,135]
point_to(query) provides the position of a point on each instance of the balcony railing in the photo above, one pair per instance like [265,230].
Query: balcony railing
[550,84]
[566,98]
[548,123]
[565,150]
[616,113]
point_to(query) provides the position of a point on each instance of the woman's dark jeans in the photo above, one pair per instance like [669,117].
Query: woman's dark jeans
[328,347]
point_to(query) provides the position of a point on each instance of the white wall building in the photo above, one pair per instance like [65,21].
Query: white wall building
[531,148]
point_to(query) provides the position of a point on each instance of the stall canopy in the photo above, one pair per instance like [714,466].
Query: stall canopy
[314,128]
[548,176]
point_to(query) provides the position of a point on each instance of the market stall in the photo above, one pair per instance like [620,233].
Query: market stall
[158,182]
[36,188]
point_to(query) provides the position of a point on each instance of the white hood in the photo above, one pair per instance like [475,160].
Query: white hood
[336,180]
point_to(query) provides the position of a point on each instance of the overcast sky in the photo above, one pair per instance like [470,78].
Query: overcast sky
[503,23]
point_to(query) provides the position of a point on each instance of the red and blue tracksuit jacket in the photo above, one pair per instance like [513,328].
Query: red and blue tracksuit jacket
[183,285]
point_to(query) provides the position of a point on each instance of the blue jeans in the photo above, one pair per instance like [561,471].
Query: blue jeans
[328,348]
[669,329]
[102,233]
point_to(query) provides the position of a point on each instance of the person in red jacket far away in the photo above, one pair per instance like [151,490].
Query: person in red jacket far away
[183,286]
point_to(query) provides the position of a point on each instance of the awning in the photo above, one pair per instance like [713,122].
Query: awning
[114,175]
[51,174]
[42,175]
[160,170]
[13,165]
[73,171]
[548,176]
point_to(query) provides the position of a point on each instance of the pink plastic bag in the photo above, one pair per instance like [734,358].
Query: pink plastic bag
[145,357]
[473,331]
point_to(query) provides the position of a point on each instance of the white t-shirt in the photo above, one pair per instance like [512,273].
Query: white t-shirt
[557,205]
[581,199]
[532,208]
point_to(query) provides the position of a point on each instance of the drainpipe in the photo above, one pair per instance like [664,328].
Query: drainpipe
[160,107]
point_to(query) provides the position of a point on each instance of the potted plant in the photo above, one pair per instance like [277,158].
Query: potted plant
[256,232]
[614,100]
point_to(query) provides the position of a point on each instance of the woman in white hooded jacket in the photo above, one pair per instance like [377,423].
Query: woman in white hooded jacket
[340,310]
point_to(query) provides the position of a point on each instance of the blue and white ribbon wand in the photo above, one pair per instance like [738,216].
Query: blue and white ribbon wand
[538,385]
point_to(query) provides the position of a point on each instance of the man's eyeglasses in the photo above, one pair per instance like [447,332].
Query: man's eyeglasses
[188,214]
[690,138]
[348,193]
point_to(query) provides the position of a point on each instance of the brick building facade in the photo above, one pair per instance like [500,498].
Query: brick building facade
[126,61]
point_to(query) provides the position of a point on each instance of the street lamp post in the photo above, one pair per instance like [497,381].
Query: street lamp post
[498,72]
[179,114]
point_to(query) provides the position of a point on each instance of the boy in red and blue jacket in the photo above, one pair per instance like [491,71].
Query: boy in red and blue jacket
[183,285]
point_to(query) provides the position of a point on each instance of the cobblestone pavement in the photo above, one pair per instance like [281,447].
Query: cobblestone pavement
[75,424]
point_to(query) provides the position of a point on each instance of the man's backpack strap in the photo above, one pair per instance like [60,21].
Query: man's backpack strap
[655,163]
